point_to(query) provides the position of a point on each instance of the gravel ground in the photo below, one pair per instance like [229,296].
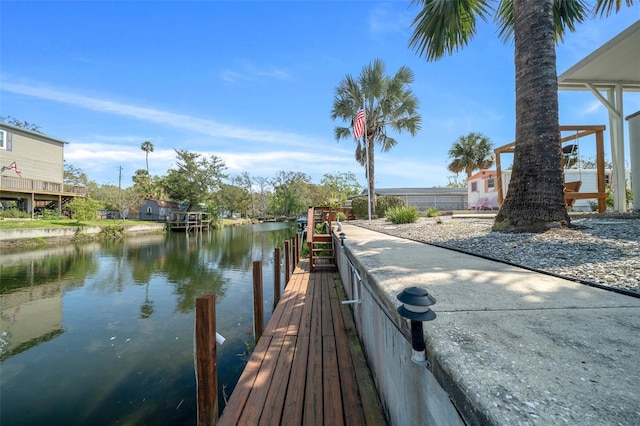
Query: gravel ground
[600,250]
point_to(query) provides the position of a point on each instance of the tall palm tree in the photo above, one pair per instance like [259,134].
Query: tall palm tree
[469,153]
[389,103]
[147,147]
[535,200]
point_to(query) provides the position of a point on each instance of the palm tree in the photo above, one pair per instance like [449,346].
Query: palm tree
[147,147]
[470,153]
[535,200]
[388,101]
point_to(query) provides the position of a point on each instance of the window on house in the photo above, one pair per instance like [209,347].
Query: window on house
[607,178]
[491,183]
[474,186]
[149,211]
[3,139]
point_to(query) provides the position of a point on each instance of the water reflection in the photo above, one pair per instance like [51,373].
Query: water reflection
[103,333]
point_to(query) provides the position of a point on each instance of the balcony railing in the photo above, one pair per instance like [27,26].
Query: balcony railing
[18,184]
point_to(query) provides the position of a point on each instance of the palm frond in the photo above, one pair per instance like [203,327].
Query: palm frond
[605,7]
[444,26]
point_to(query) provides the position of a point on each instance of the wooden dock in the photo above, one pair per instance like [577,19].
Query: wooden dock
[308,366]
[187,221]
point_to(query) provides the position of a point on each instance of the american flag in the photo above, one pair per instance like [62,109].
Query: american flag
[13,166]
[358,125]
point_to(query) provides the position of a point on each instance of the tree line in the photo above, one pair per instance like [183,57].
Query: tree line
[199,182]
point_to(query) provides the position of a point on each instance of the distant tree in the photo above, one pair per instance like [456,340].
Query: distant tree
[470,153]
[84,208]
[147,147]
[148,187]
[340,186]
[389,103]
[233,199]
[195,179]
[263,184]
[288,190]
[74,175]
[22,124]
[454,183]
[315,195]
[244,181]
[119,199]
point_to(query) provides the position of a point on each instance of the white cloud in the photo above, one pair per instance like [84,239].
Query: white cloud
[181,121]
[249,72]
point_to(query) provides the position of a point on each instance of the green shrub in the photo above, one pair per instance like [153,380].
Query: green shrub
[14,213]
[360,207]
[48,214]
[406,214]
[383,203]
[341,216]
[432,212]
[83,209]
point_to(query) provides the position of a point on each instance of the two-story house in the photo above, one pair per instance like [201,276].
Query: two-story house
[32,174]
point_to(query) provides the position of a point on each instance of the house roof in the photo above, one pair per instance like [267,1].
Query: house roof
[418,191]
[481,174]
[29,132]
[616,61]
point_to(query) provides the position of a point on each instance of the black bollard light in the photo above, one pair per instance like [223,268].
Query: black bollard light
[415,307]
[342,236]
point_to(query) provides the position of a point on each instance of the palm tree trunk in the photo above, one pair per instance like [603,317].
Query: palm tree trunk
[535,200]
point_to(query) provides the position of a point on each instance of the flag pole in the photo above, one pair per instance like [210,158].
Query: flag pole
[366,145]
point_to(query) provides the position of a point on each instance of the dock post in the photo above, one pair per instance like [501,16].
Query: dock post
[206,360]
[276,277]
[258,305]
[296,251]
[287,262]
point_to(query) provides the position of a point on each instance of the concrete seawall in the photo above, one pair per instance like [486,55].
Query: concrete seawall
[18,235]
[508,345]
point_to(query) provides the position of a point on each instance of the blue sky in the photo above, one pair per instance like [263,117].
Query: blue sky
[253,83]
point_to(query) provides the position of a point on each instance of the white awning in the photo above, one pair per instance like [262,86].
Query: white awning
[615,62]
[609,72]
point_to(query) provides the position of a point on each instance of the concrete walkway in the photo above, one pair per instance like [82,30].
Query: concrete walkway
[513,346]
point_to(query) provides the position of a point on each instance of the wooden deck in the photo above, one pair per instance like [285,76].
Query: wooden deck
[308,366]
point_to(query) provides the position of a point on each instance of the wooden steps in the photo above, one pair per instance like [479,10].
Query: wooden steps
[321,247]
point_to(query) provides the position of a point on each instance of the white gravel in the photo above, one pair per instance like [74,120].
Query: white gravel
[601,250]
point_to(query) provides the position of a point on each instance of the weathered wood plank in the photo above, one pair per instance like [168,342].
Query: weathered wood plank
[274,403]
[233,409]
[353,411]
[327,320]
[295,397]
[280,319]
[258,395]
[313,408]
[332,409]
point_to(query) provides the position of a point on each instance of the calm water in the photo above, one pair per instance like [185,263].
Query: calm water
[102,333]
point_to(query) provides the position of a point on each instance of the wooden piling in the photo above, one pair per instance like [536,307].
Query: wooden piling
[287,262]
[206,360]
[258,305]
[296,250]
[276,277]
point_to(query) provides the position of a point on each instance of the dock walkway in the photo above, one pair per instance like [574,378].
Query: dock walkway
[308,366]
